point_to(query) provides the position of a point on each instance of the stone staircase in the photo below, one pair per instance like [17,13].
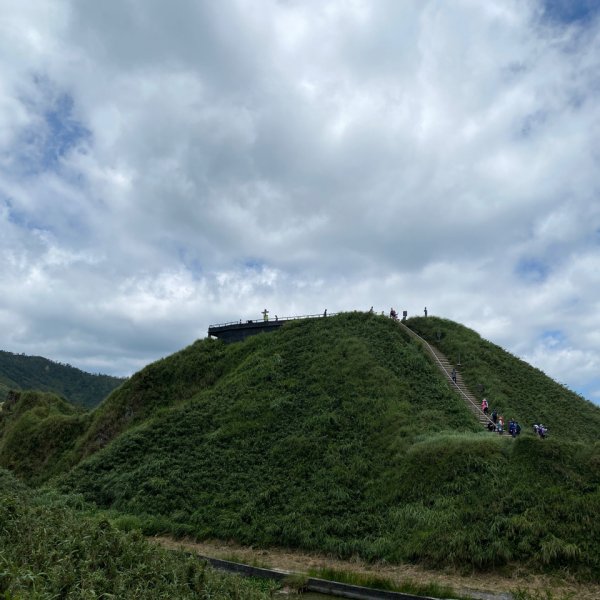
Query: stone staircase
[440,360]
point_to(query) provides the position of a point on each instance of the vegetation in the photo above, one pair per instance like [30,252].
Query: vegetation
[340,435]
[37,434]
[47,550]
[21,372]
[408,586]
[511,385]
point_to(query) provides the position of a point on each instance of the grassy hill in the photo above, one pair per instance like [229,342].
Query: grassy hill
[38,431]
[21,372]
[340,435]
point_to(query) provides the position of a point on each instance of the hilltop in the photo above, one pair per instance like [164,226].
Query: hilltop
[340,435]
[22,372]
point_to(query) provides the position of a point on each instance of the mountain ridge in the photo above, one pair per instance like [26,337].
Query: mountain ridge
[22,372]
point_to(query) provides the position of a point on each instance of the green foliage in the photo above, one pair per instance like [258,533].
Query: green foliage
[339,435]
[515,388]
[49,551]
[407,586]
[38,433]
[21,372]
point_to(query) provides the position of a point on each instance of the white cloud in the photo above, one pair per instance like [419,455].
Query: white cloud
[162,168]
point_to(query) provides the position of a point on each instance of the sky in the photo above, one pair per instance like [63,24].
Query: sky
[169,165]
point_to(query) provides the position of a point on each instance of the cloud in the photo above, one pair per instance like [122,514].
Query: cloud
[163,168]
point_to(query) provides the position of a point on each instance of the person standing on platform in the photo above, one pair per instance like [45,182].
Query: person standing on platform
[265,314]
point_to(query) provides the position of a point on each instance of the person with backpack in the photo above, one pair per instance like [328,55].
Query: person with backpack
[512,428]
[484,406]
[500,426]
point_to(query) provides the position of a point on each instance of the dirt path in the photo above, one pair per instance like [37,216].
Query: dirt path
[492,586]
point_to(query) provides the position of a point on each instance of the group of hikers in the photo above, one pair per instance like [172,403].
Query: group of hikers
[496,422]
[394,314]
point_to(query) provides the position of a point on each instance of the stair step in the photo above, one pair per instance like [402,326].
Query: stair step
[446,367]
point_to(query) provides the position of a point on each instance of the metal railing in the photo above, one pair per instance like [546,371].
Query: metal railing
[443,368]
[276,319]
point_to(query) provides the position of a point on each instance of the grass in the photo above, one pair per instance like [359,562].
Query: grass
[406,586]
[339,435]
[511,385]
[37,434]
[47,550]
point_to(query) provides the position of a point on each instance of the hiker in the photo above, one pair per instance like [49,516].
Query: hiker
[325,313]
[511,428]
[425,311]
[517,428]
[484,406]
[495,416]
[454,374]
[265,314]
[500,426]
[393,314]
[491,426]
[371,310]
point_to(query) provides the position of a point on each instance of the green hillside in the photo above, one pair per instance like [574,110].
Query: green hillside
[21,372]
[38,432]
[340,435]
[511,385]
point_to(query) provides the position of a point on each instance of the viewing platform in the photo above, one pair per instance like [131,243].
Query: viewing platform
[236,331]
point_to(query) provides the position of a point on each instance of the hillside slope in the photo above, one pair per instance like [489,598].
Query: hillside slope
[38,431]
[511,385]
[335,434]
[340,435]
[21,372]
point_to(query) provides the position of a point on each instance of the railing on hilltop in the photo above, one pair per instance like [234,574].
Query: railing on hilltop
[277,319]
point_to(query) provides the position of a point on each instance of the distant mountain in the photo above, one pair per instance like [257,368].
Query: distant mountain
[21,372]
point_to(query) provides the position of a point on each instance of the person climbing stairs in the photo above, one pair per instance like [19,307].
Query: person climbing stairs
[453,375]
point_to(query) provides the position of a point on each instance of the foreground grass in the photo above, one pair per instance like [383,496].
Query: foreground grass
[49,551]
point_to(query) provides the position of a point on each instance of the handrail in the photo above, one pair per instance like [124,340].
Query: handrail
[276,320]
[435,356]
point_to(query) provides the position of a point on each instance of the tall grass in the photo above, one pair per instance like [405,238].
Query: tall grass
[48,551]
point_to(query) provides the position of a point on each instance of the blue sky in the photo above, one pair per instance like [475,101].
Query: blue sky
[169,167]
[572,11]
